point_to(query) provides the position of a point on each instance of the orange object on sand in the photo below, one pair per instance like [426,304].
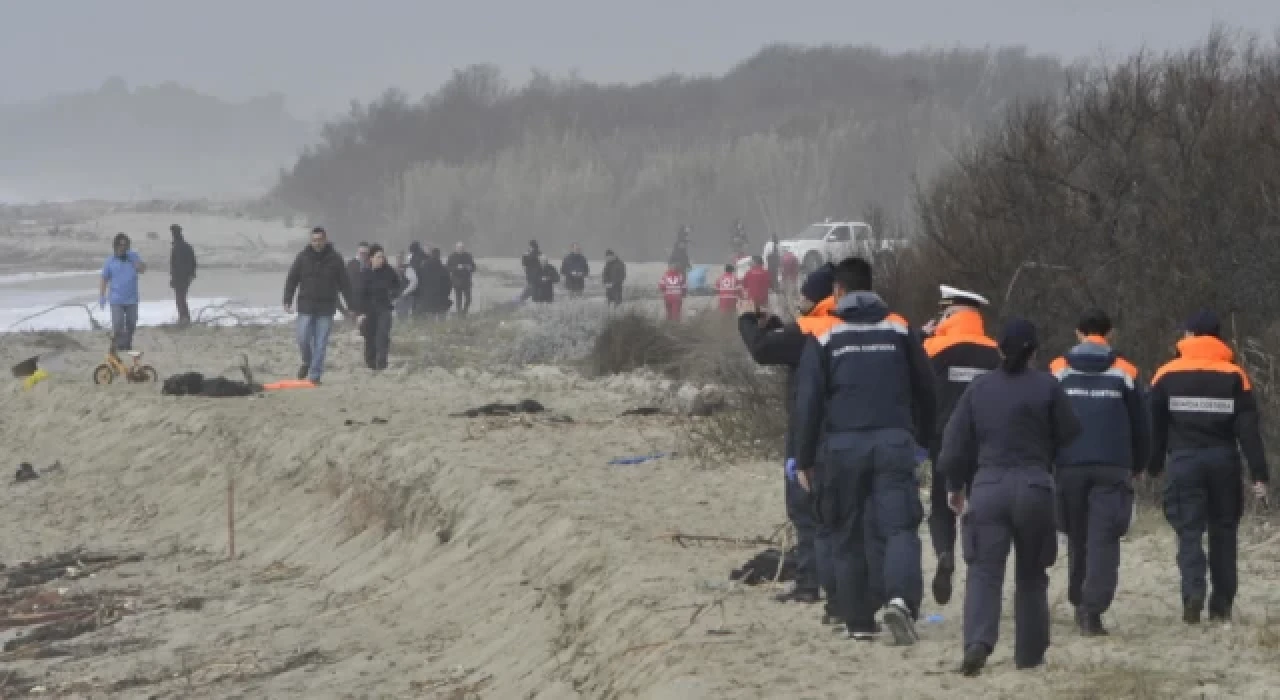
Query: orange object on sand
[289,384]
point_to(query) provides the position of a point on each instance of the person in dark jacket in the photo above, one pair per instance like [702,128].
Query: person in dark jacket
[774,263]
[436,286]
[1002,439]
[379,288]
[545,289]
[182,270]
[416,290]
[575,269]
[317,276]
[355,268]
[1094,473]
[461,269]
[772,342]
[531,261]
[1204,416]
[613,277]
[864,392]
[960,351]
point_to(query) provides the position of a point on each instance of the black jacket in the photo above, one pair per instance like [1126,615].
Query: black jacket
[182,261]
[532,263]
[355,269]
[435,285]
[615,273]
[1006,420]
[544,289]
[869,372]
[1104,393]
[575,270]
[379,288]
[776,344]
[318,279]
[959,352]
[461,267]
[1203,400]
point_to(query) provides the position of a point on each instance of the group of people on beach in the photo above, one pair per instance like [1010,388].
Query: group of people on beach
[1018,455]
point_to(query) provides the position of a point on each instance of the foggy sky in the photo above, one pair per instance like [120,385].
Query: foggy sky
[322,53]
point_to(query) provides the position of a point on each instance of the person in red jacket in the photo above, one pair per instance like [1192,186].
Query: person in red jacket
[756,283]
[728,291]
[790,272]
[673,287]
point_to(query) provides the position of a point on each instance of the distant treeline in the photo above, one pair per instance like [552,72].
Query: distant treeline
[788,136]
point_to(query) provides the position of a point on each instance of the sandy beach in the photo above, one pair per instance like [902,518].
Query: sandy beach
[385,548]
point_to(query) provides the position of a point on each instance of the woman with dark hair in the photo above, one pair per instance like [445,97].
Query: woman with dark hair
[1002,437]
[379,287]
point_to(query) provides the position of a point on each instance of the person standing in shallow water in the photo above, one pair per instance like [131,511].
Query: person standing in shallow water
[119,286]
[379,288]
[182,270]
[1010,424]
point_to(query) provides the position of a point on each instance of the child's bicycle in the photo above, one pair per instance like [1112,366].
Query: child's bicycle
[106,372]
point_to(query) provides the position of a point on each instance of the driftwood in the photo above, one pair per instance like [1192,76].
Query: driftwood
[93,322]
[72,565]
[683,539]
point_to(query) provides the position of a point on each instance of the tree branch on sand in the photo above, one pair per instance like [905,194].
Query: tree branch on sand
[93,322]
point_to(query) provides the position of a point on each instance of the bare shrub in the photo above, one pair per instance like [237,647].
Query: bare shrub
[1151,188]
[563,333]
[633,340]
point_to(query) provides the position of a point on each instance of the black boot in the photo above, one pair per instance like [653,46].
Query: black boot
[942,578]
[1191,609]
[975,657]
[1091,625]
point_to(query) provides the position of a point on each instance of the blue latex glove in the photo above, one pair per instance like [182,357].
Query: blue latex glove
[921,455]
[791,469]
[102,302]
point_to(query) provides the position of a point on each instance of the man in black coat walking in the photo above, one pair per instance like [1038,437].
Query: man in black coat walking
[317,276]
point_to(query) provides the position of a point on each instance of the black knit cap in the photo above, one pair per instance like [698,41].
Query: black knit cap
[819,284]
[1203,322]
[1017,336]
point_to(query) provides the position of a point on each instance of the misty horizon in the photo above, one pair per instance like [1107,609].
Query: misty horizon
[322,55]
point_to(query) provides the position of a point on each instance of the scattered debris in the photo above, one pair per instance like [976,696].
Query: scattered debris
[192,604]
[75,564]
[639,459]
[502,409]
[25,472]
[682,539]
[643,411]
[59,617]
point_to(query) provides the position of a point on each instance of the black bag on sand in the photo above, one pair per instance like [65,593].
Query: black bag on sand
[763,568]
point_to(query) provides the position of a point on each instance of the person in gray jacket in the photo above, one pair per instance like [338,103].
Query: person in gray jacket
[1008,425]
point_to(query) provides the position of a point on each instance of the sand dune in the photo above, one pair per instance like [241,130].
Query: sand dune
[434,556]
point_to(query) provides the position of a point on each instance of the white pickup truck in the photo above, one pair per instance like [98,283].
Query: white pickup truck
[830,241]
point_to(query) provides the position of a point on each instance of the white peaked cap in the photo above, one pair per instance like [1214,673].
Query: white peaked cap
[951,294]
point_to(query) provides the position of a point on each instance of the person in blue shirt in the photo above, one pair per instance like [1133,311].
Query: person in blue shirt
[119,286]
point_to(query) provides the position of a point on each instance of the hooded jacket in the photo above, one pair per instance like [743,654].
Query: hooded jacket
[531,261]
[318,278]
[182,260]
[782,345]
[1106,398]
[1203,400]
[959,352]
[869,371]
